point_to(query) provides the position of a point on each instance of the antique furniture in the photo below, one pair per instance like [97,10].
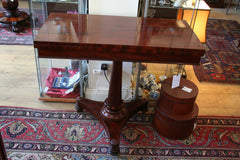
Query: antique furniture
[176,111]
[229,4]
[40,10]
[117,39]
[3,155]
[13,17]
[47,69]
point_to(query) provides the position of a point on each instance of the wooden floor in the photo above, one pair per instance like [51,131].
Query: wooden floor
[19,85]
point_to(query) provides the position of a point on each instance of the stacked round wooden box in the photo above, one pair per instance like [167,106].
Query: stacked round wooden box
[176,111]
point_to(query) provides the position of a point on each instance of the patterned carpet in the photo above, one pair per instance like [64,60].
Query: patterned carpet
[12,38]
[221,62]
[31,134]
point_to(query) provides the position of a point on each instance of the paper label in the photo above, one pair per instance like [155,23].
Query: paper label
[176,80]
[186,89]
[46,89]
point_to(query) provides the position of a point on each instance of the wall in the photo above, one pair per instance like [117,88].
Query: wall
[98,84]
[114,7]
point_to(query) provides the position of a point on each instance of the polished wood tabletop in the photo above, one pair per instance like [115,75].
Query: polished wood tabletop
[117,38]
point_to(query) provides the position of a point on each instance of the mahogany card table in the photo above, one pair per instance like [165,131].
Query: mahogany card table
[117,39]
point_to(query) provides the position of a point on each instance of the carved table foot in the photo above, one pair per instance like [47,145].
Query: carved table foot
[112,126]
[113,113]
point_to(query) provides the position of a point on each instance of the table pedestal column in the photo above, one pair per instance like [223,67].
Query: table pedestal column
[3,154]
[113,113]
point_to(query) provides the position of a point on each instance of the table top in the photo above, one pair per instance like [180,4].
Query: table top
[117,38]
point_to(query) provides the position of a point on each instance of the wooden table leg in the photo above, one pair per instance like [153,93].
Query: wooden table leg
[228,7]
[113,113]
[237,4]
[3,155]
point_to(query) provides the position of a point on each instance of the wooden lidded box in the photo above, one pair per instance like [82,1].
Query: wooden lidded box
[176,111]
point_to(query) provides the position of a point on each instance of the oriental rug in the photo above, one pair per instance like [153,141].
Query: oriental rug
[31,134]
[221,62]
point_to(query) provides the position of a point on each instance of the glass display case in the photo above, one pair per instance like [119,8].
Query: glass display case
[195,12]
[40,10]
[58,79]
[65,79]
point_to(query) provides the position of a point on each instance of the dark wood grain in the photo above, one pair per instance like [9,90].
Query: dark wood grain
[118,38]
[176,111]
[3,155]
[113,114]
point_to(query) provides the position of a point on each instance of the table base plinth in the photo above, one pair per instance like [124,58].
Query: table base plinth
[112,126]
[15,21]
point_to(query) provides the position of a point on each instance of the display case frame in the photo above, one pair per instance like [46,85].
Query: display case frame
[39,12]
[195,12]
